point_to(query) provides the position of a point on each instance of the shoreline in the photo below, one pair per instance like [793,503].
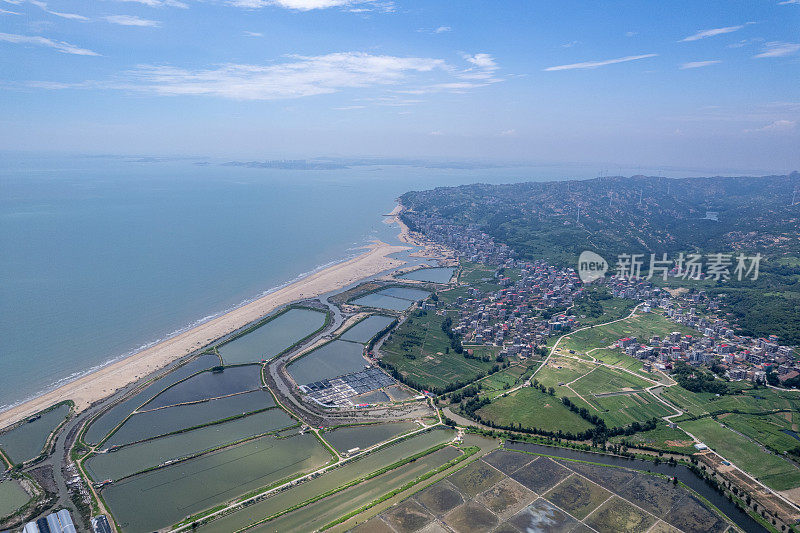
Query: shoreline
[107,380]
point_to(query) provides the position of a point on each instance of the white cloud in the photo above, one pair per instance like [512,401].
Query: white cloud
[778,49]
[437,133]
[508,133]
[304,76]
[484,61]
[631,33]
[570,44]
[596,64]
[443,29]
[787,2]
[159,3]
[349,107]
[777,126]
[699,64]
[252,34]
[308,5]
[131,20]
[711,33]
[43,7]
[61,46]
[9,12]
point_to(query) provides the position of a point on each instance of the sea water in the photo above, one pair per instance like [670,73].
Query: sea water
[102,256]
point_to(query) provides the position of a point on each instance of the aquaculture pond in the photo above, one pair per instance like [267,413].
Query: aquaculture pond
[347,438]
[328,361]
[162,497]
[394,298]
[27,440]
[741,518]
[273,337]
[111,418]
[210,384]
[330,480]
[12,496]
[137,457]
[367,328]
[432,275]
[141,426]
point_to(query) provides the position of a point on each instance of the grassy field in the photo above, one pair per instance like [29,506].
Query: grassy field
[642,326]
[421,353]
[478,276]
[621,410]
[613,308]
[747,400]
[775,472]
[562,370]
[766,429]
[531,408]
[662,438]
[604,380]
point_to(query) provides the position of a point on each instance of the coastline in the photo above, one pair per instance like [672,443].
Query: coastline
[106,380]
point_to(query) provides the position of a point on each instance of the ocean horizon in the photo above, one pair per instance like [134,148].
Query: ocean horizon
[106,256]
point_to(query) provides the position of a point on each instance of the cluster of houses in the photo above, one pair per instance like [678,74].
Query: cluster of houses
[740,357]
[518,316]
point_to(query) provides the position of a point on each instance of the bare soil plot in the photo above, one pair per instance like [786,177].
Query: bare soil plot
[618,516]
[508,462]
[653,494]
[408,516]
[475,478]
[506,498]
[471,517]
[374,525]
[440,497]
[606,476]
[542,516]
[690,515]
[541,475]
[578,496]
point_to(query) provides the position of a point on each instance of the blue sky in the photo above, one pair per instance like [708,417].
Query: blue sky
[708,84]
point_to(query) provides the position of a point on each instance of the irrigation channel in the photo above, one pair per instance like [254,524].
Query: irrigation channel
[683,473]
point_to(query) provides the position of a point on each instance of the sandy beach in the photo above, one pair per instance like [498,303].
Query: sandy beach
[105,381]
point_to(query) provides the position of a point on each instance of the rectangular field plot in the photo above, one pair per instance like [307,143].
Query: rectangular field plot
[27,440]
[622,409]
[111,418]
[347,438]
[367,328]
[660,438]
[210,384]
[772,470]
[157,499]
[393,298]
[146,425]
[330,360]
[331,480]
[138,457]
[432,275]
[273,337]
[532,408]
[604,380]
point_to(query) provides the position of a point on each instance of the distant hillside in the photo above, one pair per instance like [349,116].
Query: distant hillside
[557,220]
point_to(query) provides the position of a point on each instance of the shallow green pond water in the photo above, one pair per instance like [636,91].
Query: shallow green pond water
[27,440]
[210,385]
[432,275]
[160,498]
[329,361]
[367,328]
[344,439]
[12,497]
[273,337]
[137,457]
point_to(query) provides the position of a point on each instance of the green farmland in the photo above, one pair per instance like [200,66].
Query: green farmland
[641,326]
[420,352]
[531,408]
[775,472]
